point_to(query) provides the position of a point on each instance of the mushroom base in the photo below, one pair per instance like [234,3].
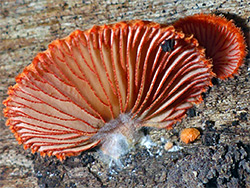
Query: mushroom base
[119,136]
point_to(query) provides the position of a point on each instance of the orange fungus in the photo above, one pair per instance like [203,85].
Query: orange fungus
[100,86]
[189,135]
[223,41]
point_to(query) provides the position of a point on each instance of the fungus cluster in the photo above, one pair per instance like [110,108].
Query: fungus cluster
[100,86]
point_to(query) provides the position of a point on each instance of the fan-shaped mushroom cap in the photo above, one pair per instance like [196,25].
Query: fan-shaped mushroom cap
[223,41]
[74,89]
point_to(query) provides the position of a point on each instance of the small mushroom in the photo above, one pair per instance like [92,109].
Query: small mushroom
[223,41]
[189,135]
[168,146]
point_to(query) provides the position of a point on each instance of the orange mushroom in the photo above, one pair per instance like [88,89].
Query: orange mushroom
[101,85]
[223,41]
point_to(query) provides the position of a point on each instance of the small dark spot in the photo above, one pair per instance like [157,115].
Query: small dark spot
[210,138]
[5,148]
[215,81]
[168,45]
[42,48]
[209,124]
[65,5]
[145,130]
[211,183]
[203,96]
[163,11]
[75,17]
[234,123]
[243,116]
[5,13]
[39,175]
[191,112]
[70,185]
[223,125]
[87,159]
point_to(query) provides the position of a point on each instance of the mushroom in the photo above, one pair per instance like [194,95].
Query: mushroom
[100,86]
[223,41]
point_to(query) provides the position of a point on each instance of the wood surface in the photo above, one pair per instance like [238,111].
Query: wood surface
[27,27]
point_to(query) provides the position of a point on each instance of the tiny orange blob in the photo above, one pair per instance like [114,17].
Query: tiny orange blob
[168,146]
[189,135]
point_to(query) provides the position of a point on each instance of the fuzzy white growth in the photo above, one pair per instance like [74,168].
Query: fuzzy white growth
[115,145]
[147,142]
[118,137]
[175,149]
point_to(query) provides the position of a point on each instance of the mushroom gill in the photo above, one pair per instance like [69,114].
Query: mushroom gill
[98,85]
[223,41]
